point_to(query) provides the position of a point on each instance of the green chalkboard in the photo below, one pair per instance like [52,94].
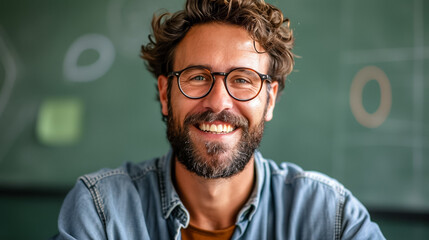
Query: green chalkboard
[76,97]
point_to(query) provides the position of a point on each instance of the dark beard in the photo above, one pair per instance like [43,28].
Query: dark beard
[213,168]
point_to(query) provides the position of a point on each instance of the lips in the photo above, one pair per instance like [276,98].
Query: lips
[224,122]
[216,128]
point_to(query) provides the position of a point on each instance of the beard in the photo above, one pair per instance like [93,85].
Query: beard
[209,164]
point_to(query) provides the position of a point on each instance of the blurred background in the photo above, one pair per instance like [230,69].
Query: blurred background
[75,97]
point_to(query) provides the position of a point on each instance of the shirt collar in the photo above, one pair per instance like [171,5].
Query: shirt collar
[170,200]
[251,205]
[171,203]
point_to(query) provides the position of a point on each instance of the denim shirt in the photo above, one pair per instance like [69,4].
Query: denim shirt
[138,201]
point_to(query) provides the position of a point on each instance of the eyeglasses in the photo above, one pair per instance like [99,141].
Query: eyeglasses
[242,84]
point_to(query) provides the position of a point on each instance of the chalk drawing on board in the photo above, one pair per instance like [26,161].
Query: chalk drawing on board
[366,74]
[125,21]
[97,42]
[10,69]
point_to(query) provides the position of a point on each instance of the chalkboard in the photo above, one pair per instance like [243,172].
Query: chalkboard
[75,96]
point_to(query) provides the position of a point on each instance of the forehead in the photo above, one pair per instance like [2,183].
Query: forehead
[220,47]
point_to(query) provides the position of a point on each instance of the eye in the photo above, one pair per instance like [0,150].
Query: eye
[242,81]
[198,78]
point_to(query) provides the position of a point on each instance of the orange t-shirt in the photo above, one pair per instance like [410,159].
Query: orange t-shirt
[191,233]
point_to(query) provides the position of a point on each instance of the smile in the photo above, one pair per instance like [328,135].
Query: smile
[216,128]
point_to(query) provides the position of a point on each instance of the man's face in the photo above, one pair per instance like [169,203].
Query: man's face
[209,153]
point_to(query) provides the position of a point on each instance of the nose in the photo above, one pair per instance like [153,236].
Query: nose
[218,99]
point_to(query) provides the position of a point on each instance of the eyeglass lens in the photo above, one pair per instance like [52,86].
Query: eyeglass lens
[242,84]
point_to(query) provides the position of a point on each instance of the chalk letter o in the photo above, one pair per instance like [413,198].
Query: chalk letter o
[97,42]
[360,80]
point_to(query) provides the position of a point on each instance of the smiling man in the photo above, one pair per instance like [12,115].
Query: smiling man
[220,65]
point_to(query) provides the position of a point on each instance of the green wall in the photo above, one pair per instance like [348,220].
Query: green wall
[75,97]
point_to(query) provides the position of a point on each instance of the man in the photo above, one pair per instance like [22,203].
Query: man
[220,66]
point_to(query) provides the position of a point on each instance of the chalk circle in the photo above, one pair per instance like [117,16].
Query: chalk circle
[366,74]
[100,44]
[8,62]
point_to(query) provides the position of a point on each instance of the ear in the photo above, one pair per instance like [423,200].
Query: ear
[272,102]
[162,88]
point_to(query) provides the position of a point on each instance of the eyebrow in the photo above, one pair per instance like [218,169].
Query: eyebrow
[199,65]
[210,68]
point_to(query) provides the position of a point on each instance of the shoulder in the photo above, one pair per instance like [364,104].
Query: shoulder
[322,194]
[291,175]
[129,172]
[107,201]
[112,190]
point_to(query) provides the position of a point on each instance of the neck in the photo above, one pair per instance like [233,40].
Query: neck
[214,203]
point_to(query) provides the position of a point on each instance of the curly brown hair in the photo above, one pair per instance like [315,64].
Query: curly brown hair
[264,22]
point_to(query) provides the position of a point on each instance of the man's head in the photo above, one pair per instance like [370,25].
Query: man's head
[212,38]
[264,23]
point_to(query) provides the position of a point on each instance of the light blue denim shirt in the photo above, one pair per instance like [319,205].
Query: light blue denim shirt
[138,201]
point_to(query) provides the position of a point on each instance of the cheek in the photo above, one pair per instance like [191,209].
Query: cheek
[175,107]
[182,106]
[254,110]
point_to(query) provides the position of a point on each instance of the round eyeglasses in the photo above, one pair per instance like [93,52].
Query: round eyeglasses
[242,84]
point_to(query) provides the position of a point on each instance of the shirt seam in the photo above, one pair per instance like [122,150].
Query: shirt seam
[336,187]
[93,180]
[339,188]
[339,217]
[98,202]
[91,183]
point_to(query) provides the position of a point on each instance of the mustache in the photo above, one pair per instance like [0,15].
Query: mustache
[224,116]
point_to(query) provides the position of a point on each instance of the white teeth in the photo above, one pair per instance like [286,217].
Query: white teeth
[219,128]
[216,128]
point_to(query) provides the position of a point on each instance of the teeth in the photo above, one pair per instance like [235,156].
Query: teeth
[219,128]
[216,128]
